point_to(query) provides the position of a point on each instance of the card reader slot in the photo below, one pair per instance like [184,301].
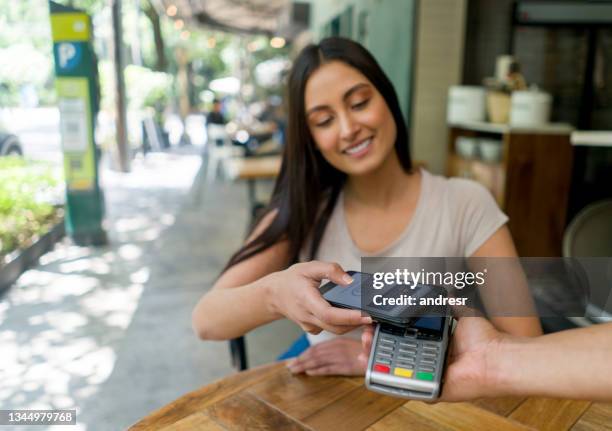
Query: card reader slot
[399,382]
[402,392]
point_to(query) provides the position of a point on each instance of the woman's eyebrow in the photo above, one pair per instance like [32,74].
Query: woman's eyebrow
[345,96]
[353,89]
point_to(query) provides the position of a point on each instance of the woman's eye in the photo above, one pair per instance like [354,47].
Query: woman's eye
[361,104]
[324,122]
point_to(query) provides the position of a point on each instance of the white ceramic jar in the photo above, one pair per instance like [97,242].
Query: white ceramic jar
[465,104]
[530,108]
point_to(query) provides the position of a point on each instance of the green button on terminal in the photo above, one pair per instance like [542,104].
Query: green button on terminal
[425,376]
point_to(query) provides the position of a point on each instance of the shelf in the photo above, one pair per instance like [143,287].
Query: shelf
[531,183]
[548,129]
[490,175]
[592,138]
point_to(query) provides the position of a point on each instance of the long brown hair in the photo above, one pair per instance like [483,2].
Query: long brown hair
[308,186]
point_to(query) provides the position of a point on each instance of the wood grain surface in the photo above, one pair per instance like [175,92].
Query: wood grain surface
[271,398]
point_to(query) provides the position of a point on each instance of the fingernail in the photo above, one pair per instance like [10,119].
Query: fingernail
[290,363]
[366,320]
[347,279]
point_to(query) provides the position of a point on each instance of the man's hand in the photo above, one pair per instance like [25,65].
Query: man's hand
[333,357]
[468,374]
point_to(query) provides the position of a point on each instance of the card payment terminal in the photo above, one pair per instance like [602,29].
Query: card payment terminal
[409,361]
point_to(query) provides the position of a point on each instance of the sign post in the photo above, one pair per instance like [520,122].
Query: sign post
[77,91]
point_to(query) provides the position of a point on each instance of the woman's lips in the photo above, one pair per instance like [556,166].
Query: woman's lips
[359,150]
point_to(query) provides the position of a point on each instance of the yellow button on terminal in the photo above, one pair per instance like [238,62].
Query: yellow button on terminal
[402,372]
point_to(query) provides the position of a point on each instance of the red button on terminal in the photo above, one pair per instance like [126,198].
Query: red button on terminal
[381,368]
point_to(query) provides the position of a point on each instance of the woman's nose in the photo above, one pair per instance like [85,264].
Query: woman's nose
[348,128]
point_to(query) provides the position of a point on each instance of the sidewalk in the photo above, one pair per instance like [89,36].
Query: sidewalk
[107,331]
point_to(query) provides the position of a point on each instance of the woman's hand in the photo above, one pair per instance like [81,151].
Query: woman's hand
[469,373]
[337,357]
[294,294]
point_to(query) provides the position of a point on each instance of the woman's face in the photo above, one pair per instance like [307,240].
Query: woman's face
[349,119]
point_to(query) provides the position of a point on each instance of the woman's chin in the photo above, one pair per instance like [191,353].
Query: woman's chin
[358,166]
[363,166]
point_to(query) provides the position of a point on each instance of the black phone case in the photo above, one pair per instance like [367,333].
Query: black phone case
[379,317]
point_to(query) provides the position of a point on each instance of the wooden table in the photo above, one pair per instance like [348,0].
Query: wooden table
[253,169]
[269,397]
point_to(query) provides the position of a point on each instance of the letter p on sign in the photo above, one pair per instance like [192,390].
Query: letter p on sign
[66,52]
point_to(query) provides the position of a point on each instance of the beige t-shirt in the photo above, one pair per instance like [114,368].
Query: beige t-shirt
[453,218]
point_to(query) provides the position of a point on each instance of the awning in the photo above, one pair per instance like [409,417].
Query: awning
[240,16]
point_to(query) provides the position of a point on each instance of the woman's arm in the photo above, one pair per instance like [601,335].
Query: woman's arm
[512,286]
[260,290]
[239,300]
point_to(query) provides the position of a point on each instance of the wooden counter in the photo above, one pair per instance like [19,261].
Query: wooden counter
[269,397]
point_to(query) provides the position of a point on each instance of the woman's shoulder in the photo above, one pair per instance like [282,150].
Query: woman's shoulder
[456,190]
[469,209]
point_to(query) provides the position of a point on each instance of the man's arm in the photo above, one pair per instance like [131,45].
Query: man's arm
[573,364]
[483,362]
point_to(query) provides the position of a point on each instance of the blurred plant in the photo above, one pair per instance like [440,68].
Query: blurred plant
[145,88]
[27,202]
[25,50]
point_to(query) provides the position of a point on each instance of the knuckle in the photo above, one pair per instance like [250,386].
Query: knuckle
[342,330]
[326,315]
[305,326]
[310,328]
[334,330]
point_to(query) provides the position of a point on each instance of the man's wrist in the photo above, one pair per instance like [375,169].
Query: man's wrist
[504,365]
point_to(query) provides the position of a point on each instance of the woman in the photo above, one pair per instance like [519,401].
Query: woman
[346,189]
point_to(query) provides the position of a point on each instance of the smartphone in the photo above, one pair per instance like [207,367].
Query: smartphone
[360,295]
[409,362]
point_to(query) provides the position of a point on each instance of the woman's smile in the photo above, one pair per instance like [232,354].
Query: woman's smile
[360,148]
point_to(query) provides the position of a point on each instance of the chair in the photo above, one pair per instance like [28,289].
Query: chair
[237,346]
[590,232]
[590,235]
[238,353]
[217,154]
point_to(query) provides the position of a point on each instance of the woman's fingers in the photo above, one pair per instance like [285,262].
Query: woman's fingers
[366,338]
[334,329]
[313,357]
[318,271]
[337,356]
[299,366]
[366,345]
[306,306]
[311,329]
[313,325]
[324,370]
[335,318]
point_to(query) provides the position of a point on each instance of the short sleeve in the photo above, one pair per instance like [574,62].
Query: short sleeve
[477,215]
